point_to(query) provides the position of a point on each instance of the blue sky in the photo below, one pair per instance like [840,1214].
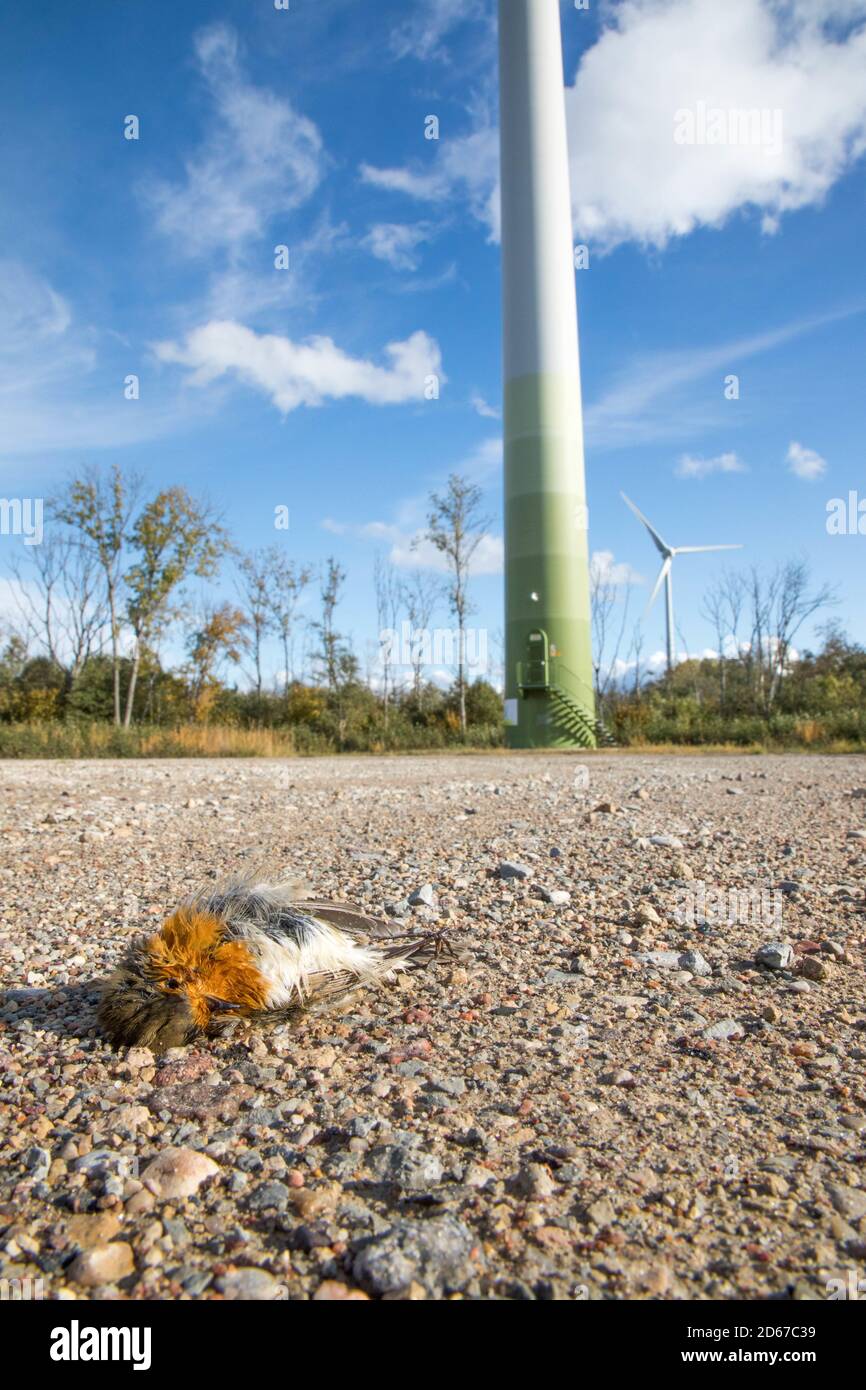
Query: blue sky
[305,388]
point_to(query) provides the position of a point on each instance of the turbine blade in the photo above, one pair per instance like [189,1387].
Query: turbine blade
[699,549]
[663,573]
[659,544]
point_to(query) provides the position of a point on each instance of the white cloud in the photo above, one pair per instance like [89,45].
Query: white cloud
[309,373]
[397,243]
[260,158]
[604,569]
[691,467]
[805,463]
[631,181]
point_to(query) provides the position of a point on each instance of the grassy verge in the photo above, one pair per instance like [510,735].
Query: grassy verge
[71,740]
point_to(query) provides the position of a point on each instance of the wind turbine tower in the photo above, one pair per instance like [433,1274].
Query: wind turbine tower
[667,553]
[548,652]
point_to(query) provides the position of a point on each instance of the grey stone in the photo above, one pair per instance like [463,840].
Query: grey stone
[776,955]
[414,1168]
[509,869]
[37,1162]
[423,897]
[694,961]
[725,1029]
[662,960]
[850,1202]
[247,1285]
[534,1181]
[451,1085]
[269,1195]
[435,1253]
[557,896]
[100,1162]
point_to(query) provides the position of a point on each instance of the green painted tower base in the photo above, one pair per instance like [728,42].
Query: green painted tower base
[549,700]
[549,692]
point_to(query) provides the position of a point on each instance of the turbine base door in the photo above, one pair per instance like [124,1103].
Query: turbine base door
[534,672]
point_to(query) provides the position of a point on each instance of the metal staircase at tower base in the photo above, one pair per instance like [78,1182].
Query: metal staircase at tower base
[588,731]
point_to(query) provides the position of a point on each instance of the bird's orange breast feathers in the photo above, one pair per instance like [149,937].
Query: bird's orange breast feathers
[191,952]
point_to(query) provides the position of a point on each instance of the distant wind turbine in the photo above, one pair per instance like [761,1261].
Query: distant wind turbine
[667,553]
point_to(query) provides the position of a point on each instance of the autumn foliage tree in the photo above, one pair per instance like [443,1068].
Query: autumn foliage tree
[175,537]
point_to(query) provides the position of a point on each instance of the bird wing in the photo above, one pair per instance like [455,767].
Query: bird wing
[347,918]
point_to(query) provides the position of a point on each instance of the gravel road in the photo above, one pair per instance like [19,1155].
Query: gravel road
[640,1074]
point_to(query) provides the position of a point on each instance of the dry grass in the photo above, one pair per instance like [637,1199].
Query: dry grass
[41,740]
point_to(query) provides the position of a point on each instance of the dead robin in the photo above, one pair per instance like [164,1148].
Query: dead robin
[243,949]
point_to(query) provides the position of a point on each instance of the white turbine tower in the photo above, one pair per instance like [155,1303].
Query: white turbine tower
[667,553]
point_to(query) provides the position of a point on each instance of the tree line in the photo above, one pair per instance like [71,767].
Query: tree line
[119,573]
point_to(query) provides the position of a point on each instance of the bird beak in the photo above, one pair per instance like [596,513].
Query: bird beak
[220,1005]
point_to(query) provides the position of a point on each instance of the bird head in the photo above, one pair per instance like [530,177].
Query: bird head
[179,984]
[136,1011]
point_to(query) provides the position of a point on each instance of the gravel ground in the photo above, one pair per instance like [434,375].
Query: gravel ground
[601,1094]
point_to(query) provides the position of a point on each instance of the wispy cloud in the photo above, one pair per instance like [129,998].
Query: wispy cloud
[416,552]
[466,166]
[260,158]
[429,22]
[637,407]
[480,406]
[405,533]
[410,548]
[53,396]
[691,467]
[398,242]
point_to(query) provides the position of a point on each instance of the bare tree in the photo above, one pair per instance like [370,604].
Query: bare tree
[722,608]
[456,530]
[713,610]
[255,590]
[794,605]
[332,650]
[62,604]
[635,653]
[388,595]
[603,599]
[421,593]
[98,508]
[287,584]
[777,604]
